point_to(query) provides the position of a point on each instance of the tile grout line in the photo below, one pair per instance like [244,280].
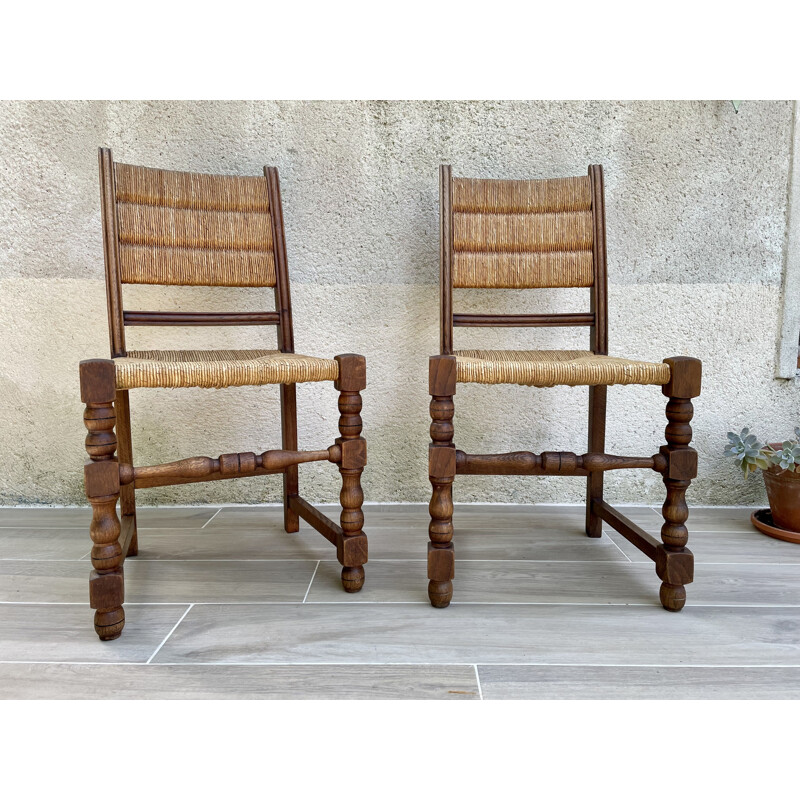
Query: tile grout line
[209,520]
[566,665]
[478,681]
[183,616]
[610,539]
[313,575]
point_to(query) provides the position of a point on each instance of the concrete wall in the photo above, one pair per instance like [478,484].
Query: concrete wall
[696,199]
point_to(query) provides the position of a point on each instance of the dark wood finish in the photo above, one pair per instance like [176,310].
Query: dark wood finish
[108,197]
[598,294]
[681,467]
[283,304]
[352,547]
[630,530]
[170,318]
[107,417]
[597,444]
[101,478]
[441,473]
[316,519]
[549,463]
[283,300]
[446,260]
[676,461]
[522,320]
[232,465]
[127,500]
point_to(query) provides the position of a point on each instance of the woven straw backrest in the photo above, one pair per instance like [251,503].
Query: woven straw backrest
[189,229]
[522,234]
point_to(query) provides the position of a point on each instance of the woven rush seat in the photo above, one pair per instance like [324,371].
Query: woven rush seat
[217,369]
[555,368]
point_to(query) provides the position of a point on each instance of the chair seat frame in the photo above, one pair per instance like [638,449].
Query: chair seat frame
[110,475]
[676,461]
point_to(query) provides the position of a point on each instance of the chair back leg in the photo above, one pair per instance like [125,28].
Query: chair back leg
[291,487]
[597,444]
[127,502]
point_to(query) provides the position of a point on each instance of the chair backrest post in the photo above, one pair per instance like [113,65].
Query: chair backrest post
[283,300]
[446,260]
[599,291]
[108,199]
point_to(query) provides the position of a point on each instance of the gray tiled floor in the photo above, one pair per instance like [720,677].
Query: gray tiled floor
[224,604]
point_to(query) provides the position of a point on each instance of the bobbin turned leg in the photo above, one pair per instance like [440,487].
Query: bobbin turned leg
[674,562]
[442,473]
[106,593]
[351,548]
[597,444]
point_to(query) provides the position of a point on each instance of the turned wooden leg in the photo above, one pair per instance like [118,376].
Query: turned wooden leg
[351,549]
[597,444]
[127,499]
[442,473]
[674,562]
[291,522]
[106,592]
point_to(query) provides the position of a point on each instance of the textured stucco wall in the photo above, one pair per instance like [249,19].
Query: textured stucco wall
[696,199]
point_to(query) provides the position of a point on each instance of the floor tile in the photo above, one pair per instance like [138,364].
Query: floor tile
[559,582]
[46,517]
[719,519]
[161,581]
[639,683]
[746,546]
[251,519]
[147,517]
[157,682]
[175,517]
[46,544]
[66,633]
[512,634]
[230,543]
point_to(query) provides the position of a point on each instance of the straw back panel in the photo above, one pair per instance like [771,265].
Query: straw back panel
[522,234]
[190,229]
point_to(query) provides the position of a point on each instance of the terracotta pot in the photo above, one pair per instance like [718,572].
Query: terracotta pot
[783,491]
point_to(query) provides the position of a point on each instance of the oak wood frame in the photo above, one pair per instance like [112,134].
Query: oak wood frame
[675,461]
[110,474]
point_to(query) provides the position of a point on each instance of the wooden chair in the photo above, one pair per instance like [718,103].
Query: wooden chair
[529,234]
[181,228]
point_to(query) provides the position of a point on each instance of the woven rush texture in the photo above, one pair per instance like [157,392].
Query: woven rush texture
[522,234]
[217,369]
[184,228]
[555,368]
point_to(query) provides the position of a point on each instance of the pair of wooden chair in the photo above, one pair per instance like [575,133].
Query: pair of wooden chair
[178,228]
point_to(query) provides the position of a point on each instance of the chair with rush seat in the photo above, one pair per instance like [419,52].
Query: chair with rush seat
[530,234]
[189,229]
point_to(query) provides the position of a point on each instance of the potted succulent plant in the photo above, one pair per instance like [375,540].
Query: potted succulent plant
[780,463]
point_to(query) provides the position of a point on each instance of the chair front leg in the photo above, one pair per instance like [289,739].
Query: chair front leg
[106,589]
[442,473]
[674,562]
[351,548]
